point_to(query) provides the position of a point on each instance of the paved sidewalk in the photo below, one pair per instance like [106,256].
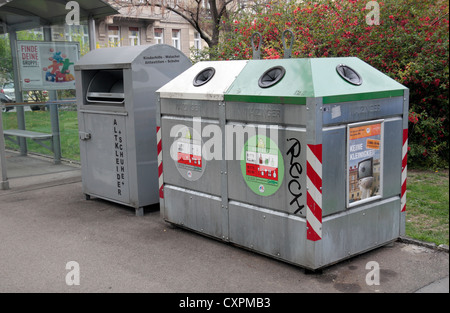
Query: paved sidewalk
[45,222]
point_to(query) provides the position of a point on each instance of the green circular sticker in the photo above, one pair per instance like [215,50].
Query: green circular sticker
[262,165]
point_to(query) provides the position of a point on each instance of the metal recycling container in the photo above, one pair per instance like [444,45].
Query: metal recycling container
[117,106]
[314,166]
[191,184]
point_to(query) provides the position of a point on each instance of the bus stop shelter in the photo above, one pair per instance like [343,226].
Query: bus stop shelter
[17,15]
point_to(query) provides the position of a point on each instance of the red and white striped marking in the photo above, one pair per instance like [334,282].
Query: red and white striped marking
[404,169]
[314,193]
[160,165]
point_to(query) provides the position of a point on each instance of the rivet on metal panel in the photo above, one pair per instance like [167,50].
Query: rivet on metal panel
[226,207]
[264,216]
[190,197]
[278,254]
[225,173]
[221,172]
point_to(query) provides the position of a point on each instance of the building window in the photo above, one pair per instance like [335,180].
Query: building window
[159,35]
[197,41]
[114,36]
[134,36]
[176,38]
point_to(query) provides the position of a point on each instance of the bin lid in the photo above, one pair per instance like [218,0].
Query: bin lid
[122,57]
[292,81]
[206,80]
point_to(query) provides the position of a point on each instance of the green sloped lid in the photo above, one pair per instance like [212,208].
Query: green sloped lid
[294,80]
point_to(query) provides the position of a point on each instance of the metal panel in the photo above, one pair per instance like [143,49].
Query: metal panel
[104,157]
[276,234]
[290,197]
[195,210]
[334,169]
[357,111]
[392,157]
[190,108]
[360,229]
[188,174]
[267,113]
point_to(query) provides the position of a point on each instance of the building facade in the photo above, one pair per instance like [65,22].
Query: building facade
[145,25]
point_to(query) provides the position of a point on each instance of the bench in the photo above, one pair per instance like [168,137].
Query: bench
[35,136]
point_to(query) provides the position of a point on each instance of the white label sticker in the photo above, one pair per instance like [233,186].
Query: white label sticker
[335,111]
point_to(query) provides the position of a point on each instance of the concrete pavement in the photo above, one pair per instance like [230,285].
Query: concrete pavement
[45,222]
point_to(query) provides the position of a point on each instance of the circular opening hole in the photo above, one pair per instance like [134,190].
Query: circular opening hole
[204,76]
[271,76]
[349,74]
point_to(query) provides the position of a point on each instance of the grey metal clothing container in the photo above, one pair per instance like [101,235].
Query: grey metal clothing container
[320,179]
[116,104]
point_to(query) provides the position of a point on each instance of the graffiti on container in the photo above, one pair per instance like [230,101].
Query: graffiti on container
[295,171]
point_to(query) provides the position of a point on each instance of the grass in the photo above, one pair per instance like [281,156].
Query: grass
[427,207]
[39,121]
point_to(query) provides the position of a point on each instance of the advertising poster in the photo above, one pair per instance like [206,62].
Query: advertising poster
[365,142]
[47,65]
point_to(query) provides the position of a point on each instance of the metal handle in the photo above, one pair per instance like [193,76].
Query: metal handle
[287,51]
[257,51]
[84,135]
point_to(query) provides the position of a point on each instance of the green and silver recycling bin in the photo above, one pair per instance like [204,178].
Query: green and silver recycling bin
[117,109]
[303,160]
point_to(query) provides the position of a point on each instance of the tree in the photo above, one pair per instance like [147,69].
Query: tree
[204,15]
[5,59]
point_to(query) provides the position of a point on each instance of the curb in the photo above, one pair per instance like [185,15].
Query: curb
[425,244]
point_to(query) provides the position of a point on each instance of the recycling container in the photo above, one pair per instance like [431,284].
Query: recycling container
[312,167]
[192,104]
[117,120]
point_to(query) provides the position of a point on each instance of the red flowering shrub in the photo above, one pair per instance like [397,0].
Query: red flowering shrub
[410,44]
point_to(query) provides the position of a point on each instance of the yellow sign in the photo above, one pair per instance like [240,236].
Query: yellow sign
[373,144]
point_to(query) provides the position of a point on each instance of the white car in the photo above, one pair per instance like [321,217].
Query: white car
[8,89]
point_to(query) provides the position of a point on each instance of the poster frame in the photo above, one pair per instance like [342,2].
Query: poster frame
[381,164]
[49,44]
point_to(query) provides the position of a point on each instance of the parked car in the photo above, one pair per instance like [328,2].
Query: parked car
[8,89]
[5,99]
